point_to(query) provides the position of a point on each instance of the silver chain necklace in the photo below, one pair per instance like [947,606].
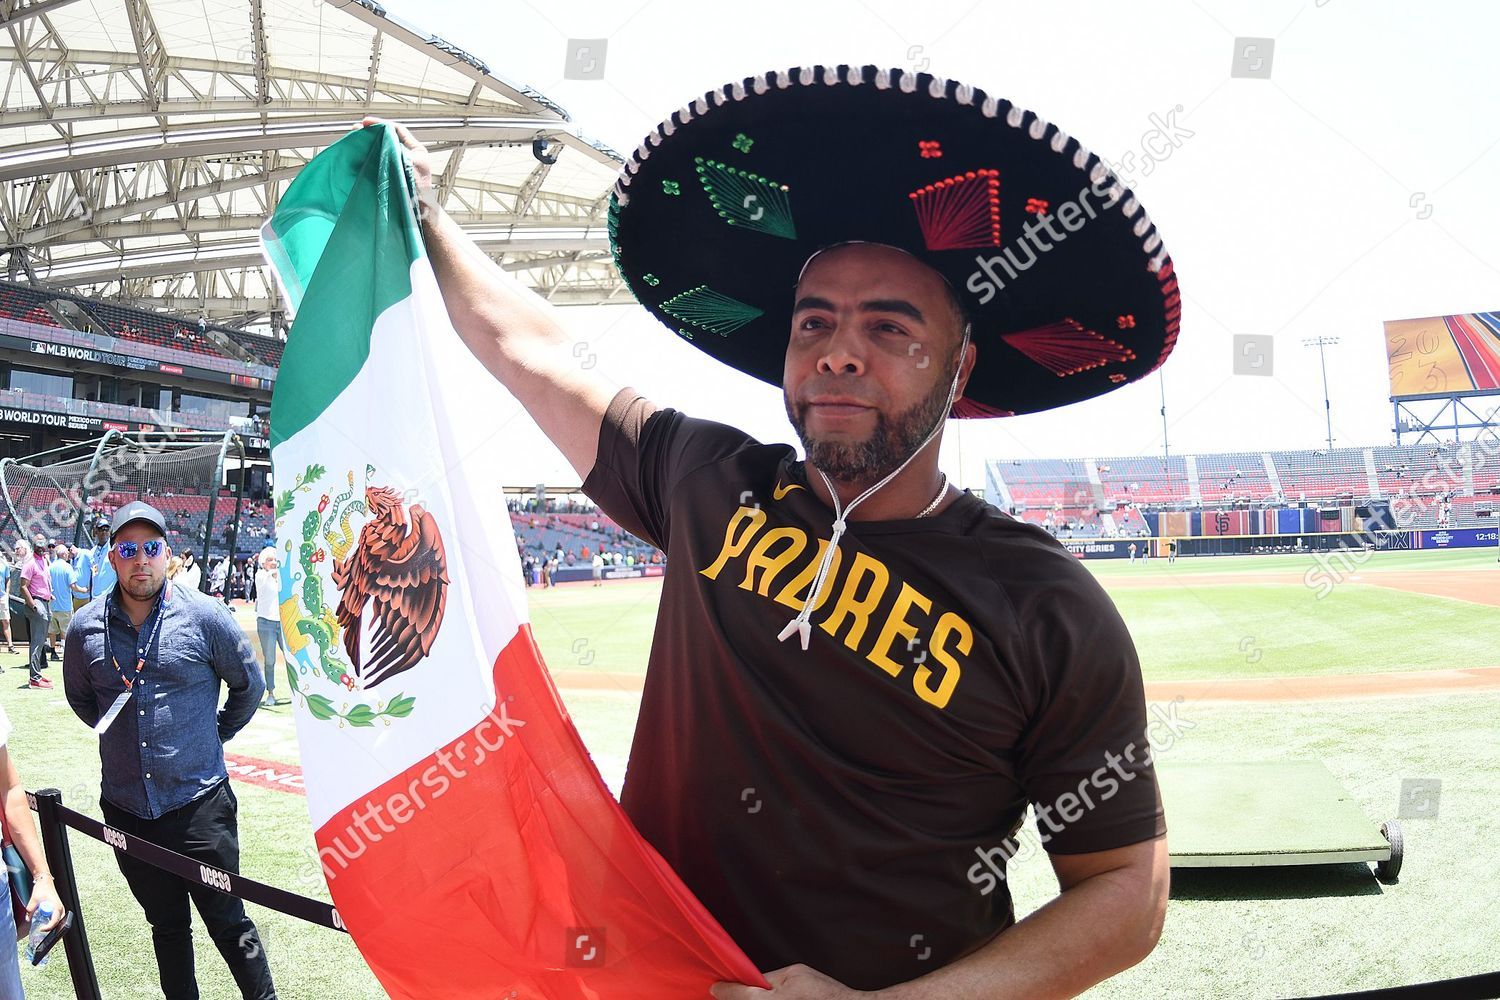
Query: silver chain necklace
[942,492]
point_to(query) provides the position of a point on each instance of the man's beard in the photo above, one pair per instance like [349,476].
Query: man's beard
[892,442]
[143,591]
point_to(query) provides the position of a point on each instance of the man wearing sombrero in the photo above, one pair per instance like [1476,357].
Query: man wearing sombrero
[861,676]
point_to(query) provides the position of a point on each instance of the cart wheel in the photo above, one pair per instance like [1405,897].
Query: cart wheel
[1387,871]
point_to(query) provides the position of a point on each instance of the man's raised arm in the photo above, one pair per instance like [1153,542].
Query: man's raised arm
[512,332]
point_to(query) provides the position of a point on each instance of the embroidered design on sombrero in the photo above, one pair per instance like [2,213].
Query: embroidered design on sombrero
[612,220]
[960,211]
[742,142]
[746,199]
[930,150]
[1172,296]
[1066,348]
[717,313]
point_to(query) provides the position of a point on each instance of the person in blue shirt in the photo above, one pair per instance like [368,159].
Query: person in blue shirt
[83,575]
[6,571]
[96,577]
[60,608]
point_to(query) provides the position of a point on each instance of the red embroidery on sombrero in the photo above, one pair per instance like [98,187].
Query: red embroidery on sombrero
[1036,206]
[965,407]
[961,211]
[1066,348]
[1172,299]
[930,150]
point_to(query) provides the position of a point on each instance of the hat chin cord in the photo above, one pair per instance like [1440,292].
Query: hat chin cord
[801,624]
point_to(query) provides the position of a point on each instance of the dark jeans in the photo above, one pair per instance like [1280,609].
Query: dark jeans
[205,829]
[36,622]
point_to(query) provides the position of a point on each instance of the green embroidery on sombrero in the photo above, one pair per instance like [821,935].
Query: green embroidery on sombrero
[746,199]
[613,222]
[651,279]
[702,306]
[742,142]
[670,187]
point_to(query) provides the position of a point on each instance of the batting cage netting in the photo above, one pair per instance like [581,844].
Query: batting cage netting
[58,493]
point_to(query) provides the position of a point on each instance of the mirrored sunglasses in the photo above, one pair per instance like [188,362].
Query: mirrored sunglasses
[127,550]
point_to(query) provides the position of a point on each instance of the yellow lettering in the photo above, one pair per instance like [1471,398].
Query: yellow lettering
[795,592]
[949,623]
[754,519]
[858,609]
[896,624]
[771,566]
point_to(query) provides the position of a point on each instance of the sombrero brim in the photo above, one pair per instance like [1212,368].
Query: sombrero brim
[1068,284]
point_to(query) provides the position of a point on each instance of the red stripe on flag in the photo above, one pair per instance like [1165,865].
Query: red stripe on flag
[502,862]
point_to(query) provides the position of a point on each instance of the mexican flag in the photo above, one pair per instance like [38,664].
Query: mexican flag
[469,844]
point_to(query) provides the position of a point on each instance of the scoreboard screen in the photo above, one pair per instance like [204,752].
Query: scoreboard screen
[1444,354]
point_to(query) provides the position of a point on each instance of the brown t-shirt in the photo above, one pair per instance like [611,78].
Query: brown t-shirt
[848,807]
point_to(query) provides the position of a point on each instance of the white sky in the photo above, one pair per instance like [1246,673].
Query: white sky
[1289,212]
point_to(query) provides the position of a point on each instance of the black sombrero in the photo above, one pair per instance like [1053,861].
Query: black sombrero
[714,215]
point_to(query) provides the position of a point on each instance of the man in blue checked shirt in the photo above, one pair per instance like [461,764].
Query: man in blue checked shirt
[143,667]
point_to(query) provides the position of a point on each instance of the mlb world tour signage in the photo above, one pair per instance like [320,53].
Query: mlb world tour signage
[114,359]
[70,421]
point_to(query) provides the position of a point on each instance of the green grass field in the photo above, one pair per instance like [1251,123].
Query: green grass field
[1245,933]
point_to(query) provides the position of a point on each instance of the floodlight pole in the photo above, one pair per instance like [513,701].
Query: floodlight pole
[1166,452]
[1321,342]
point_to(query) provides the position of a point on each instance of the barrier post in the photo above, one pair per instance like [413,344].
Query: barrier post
[46,802]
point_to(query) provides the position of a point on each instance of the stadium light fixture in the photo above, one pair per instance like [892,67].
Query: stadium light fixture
[1321,342]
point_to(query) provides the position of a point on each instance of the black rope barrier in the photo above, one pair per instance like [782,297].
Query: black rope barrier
[54,818]
[1481,987]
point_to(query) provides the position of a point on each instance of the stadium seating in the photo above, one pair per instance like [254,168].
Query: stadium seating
[1232,476]
[541,533]
[1323,474]
[1044,481]
[151,328]
[266,350]
[26,305]
[1048,491]
[1144,480]
[137,325]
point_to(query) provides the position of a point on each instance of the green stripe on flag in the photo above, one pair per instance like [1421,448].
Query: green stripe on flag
[341,242]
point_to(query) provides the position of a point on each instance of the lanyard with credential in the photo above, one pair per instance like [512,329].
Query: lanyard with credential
[144,647]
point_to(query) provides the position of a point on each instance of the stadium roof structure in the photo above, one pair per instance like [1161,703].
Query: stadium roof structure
[144,142]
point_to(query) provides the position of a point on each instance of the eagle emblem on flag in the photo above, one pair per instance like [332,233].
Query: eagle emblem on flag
[390,578]
[398,576]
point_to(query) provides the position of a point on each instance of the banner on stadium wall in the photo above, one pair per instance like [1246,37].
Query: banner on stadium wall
[506,867]
[69,421]
[573,574]
[1226,522]
[1288,521]
[1100,548]
[1457,538]
[1175,523]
